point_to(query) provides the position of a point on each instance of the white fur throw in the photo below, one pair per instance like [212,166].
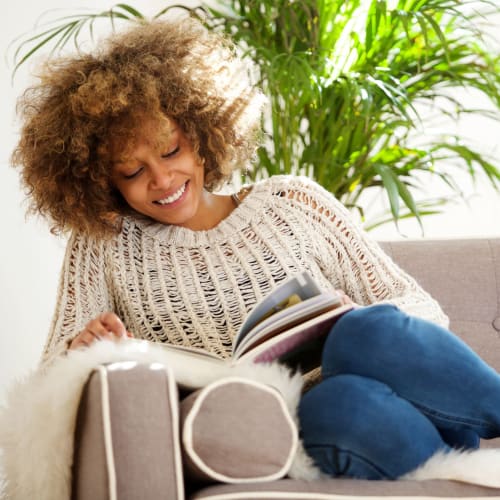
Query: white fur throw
[37,424]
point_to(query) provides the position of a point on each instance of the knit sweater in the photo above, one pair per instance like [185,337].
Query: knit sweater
[171,284]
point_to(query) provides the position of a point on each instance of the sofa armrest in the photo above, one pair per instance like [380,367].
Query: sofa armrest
[127,437]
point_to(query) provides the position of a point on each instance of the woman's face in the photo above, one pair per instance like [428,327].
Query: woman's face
[161,177]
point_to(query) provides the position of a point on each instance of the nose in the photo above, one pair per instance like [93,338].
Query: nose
[160,177]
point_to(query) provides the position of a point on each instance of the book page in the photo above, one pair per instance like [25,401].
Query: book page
[287,318]
[301,345]
[301,285]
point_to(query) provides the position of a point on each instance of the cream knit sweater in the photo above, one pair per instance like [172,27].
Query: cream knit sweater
[171,284]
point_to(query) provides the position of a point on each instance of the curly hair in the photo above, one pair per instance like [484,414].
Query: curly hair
[85,104]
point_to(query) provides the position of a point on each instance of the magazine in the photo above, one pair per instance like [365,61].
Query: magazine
[290,325]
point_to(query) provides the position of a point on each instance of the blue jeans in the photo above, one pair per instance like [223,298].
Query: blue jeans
[396,389]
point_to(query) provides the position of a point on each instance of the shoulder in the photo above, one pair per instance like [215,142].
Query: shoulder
[89,248]
[284,183]
[302,191]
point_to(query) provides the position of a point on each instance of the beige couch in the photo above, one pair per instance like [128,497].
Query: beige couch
[143,445]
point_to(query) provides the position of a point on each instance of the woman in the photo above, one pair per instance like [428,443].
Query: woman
[125,149]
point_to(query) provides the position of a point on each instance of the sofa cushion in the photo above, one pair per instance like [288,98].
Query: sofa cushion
[126,439]
[346,489]
[237,430]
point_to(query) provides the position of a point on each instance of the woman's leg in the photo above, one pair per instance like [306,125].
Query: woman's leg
[461,439]
[358,427]
[423,363]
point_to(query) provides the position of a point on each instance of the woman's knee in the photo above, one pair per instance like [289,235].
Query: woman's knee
[360,333]
[347,407]
[330,410]
[359,427]
[363,321]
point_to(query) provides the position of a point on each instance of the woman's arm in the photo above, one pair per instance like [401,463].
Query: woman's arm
[353,261]
[83,293]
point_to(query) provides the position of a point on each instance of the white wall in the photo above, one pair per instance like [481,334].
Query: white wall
[30,257]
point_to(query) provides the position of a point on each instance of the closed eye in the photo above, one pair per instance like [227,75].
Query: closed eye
[171,153]
[134,174]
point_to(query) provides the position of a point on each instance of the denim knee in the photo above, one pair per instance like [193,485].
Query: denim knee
[356,333]
[367,318]
[359,427]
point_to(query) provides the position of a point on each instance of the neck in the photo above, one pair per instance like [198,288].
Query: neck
[212,210]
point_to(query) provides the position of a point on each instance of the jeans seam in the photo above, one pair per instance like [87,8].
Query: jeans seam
[431,412]
[338,472]
[455,419]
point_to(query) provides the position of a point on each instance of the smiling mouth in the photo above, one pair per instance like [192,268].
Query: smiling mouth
[173,197]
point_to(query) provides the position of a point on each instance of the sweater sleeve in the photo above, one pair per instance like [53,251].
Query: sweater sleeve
[82,293]
[353,261]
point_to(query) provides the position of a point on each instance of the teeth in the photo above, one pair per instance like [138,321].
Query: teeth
[174,197]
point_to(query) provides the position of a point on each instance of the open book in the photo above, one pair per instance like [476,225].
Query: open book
[289,325]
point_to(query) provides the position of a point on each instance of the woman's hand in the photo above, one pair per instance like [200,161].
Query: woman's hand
[106,326]
[344,298]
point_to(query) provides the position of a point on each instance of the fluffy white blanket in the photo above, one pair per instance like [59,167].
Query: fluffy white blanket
[37,424]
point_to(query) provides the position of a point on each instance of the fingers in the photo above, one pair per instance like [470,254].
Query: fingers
[107,326]
[97,329]
[113,324]
[344,298]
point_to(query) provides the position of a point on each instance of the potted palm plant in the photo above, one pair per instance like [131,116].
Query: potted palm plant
[347,82]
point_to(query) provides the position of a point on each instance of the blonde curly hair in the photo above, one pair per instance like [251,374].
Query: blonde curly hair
[85,104]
